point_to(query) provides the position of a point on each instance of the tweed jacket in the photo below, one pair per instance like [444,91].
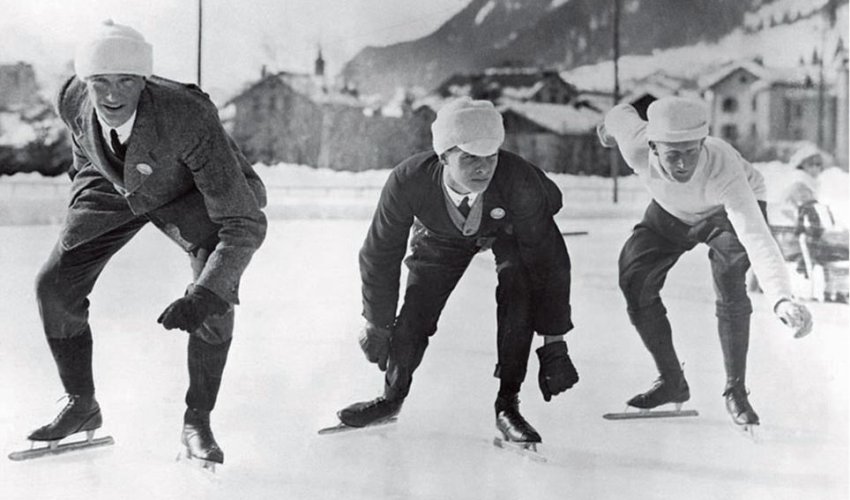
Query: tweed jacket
[519,203]
[181,171]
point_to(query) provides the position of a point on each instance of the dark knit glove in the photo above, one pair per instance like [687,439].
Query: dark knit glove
[375,342]
[557,373]
[190,311]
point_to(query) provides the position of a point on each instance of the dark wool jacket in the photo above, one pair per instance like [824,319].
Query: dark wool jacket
[519,203]
[182,171]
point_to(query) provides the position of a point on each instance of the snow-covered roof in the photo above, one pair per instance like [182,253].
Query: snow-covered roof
[768,75]
[514,83]
[562,119]
[308,85]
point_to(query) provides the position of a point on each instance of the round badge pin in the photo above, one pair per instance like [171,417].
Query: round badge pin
[144,169]
[497,213]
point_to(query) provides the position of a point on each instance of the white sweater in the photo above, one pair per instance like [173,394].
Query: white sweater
[723,180]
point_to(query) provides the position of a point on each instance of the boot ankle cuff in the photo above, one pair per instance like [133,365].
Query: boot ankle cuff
[506,402]
[196,416]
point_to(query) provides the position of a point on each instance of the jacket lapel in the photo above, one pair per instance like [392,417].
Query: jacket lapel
[141,157]
[89,140]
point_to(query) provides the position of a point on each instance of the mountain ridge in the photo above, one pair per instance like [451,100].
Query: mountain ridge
[557,34]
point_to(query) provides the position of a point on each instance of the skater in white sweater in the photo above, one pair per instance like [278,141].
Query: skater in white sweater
[703,192]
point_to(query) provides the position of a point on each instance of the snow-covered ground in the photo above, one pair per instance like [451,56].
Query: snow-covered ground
[295,361]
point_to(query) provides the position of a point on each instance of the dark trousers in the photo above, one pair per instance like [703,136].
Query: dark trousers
[435,266]
[654,247]
[62,289]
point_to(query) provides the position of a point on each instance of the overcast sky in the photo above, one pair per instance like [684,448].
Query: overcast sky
[239,35]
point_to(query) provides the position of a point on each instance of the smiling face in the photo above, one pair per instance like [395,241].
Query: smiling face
[115,97]
[679,159]
[467,173]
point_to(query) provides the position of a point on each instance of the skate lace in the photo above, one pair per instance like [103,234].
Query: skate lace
[72,400]
[375,402]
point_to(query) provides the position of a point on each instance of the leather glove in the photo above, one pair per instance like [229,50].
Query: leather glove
[795,315]
[190,311]
[557,373]
[375,342]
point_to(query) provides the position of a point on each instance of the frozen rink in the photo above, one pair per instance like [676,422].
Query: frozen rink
[295,361]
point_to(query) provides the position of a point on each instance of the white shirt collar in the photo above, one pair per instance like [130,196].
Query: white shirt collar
[456,197]
[122,130]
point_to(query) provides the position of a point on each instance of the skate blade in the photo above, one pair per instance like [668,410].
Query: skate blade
[527,450]
[749,431]
[55,448]
[206,466]
[631,413]
[341,427]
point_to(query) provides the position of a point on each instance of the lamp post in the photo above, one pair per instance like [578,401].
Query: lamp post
[200,31]
[614,153]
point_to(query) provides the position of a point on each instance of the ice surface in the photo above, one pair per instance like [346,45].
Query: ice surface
[295,361]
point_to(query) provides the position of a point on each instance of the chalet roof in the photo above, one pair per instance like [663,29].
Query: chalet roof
[769,76]
[661,83]
[305,84]
[563,119]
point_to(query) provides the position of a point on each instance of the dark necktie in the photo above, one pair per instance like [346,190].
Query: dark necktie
[464,207]
[119,149]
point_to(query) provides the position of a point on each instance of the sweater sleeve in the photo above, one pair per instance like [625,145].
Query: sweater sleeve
[383,251]
[754,178]
[626,127]
[739,200]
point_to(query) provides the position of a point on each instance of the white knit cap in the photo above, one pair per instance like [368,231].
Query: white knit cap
[676,119]
[474,126]
[807,151]
[114,49]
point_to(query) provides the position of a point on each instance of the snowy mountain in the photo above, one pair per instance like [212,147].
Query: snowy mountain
[565,34]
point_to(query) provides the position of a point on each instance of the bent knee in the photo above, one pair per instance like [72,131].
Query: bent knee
[47,283]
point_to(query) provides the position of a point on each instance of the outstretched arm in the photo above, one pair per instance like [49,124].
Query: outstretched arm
[383,251]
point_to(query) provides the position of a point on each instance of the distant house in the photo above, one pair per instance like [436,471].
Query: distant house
[509,84]
[18,88]
[555,137]
[752,104]
[641,92]
[547,120]
[299,118]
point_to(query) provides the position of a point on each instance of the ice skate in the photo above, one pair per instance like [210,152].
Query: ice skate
[666,389]
[377,412]
[80,414]
[199,445]
[739,408]
[515,433]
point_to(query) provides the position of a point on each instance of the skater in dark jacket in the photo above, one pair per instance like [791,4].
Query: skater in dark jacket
[465,197]
[146,149]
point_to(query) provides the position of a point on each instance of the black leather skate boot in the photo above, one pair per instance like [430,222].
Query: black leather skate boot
[738,404]
[197,437]
[734,332]
[82,413]
[670,387]
[206,363]
[511,424]
[372,412]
